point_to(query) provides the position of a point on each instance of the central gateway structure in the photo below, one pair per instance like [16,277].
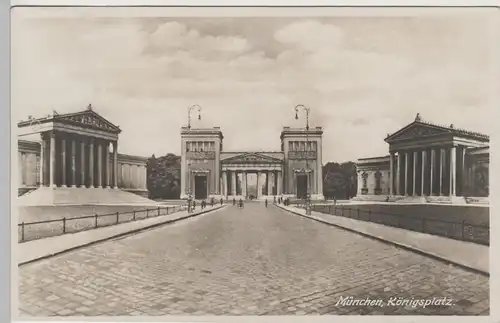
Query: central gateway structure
[208,171]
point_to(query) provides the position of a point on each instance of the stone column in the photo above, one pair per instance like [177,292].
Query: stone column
[279,186]
[83,182]
[319,175]
[99,164]
[218,189]
[63,162]
[453,171]
[107,182]
[91,162]
[441,171]
[244,184]
[20,167]
[259,185]
[463,182]
[268,184]
[431,176]
[424,164]
[414,181]
[406,173]
[52,159]
[398,173]
[233,183]
[115,164]
[391,174]
[473,178]
[224,183]
[73,162]
[43,147]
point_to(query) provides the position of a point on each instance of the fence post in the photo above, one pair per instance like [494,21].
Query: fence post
[64,225]
[147,213]
[22,231]
[463,229]
[158,211]
[133,216]
[167,210]
[117,217]
[342,209]
[95,220]
[423,223]
[358,212]
[369,215]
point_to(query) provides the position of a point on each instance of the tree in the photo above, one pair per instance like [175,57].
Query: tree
[163,175]
[339,180]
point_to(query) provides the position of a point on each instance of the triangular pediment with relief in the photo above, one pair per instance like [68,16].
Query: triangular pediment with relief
[91,119]
[251,158]
[417,130]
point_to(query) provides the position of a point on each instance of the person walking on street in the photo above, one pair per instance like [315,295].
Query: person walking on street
[234,201]
[194,205]
[212,201]
[241,203]
[266,202]
[221,201]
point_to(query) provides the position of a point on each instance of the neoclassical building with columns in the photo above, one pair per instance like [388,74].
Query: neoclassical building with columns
[76,150]
[209,171]
[428,163]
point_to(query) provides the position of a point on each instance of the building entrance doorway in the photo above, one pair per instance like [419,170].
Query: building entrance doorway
[200,187]
[301,186]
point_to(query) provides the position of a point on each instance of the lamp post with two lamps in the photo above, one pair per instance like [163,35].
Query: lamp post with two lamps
[308,194]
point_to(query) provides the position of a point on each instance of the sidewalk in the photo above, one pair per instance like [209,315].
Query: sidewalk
[464,254]
[47,247]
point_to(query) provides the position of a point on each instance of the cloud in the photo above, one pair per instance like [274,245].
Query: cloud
[360,84]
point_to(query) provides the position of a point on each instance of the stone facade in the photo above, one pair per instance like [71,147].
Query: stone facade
[77,150]
[224,174]
[431,161]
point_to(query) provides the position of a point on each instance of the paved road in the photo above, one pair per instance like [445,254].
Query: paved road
[255,261]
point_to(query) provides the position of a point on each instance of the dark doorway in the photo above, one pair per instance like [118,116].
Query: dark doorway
[301,186]
[200,187]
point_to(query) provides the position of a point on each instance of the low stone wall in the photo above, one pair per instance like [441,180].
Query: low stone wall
[464,222]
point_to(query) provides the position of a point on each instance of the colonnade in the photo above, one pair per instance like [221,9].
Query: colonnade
[77,161]
[427,172]
[133,176]
[233,174]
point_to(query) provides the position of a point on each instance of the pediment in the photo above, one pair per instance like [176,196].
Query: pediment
[251,158]
[417,130]
[91,119]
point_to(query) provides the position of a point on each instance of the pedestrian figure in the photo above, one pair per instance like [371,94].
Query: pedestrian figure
[266,202]
[213,201]
[241,203]
[334,200]
[274,200]
[194,205]
[221,201]
[234,201]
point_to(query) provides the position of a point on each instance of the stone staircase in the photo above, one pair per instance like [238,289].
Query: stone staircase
[370,198]
[413,199]
[478,200]
[81,196]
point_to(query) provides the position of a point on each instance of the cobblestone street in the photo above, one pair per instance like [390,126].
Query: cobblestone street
[251,261]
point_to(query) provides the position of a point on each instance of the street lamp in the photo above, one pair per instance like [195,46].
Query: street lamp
[189,189]
[308,194]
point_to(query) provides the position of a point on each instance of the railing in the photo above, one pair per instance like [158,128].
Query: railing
[458,230]
[44,229]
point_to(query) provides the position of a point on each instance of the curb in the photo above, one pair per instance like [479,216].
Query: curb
[119,235]
[397,244]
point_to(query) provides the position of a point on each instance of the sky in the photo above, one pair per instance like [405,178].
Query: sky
[362,77]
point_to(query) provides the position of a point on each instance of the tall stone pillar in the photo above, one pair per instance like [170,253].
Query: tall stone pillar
[463,178]
[391,174]
[432,167]
[414,181]
[107,182]
[99,164]
[43,164]
[424,166]
[91,163]
[83,180]
[398,173]
[115,165]
[73,162]
[279,185]
[63,162]
[52,159]
[233,183]
[406,173]
[218,189]
[453,171]
[259,185]
[20,168]
[244,184]
[473,178]
[184,169]
[441,171]
[224,183]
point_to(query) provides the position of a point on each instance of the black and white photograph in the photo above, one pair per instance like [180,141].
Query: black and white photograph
[204,162]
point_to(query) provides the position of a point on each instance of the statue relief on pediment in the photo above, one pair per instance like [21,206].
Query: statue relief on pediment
[91,120]
[251,159]
[416,132]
